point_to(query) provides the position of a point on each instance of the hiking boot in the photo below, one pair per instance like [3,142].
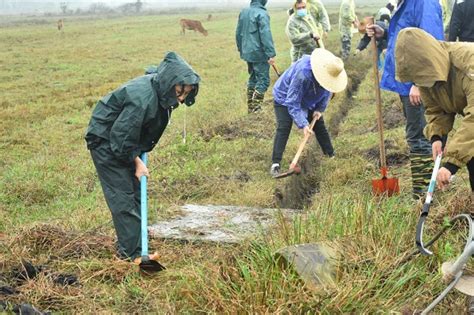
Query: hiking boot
[257,101]
[275,169]
[250,103]
[421,169]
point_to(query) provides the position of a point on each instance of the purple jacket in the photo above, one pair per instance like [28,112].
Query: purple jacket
[298,90]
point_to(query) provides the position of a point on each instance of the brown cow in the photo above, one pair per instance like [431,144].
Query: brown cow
[192,25]
[60,24]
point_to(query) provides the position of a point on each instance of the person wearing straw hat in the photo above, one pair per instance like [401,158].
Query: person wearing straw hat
[445,76]
[302,92]
[126,123]
[302,32]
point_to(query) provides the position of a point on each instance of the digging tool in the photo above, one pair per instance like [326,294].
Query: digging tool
[278,73]
[426,208]
[294,168]
[384,185]
[452,271]
[147,265]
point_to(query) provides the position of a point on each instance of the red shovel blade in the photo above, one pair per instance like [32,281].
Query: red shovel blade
[388,186]
[292,170]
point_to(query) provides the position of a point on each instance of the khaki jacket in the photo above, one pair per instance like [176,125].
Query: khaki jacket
[298,30]
[421,59]
[347,16]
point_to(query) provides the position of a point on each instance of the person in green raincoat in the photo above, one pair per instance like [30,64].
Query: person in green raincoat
[302,32]
[444,72]
[255,44]
[347,21]
[126,123]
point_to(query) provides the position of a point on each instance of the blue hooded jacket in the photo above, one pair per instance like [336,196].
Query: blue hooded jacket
[424,14]
[298,90]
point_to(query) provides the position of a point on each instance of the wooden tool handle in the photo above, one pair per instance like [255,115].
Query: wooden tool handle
[276,70]
[302,144]
[383,161]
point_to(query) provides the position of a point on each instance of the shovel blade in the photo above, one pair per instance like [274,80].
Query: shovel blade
[388,186]
[149,266]
[292,170]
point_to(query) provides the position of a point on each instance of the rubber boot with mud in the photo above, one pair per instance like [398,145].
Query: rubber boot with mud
[421,169]
[250,102]
[257,101]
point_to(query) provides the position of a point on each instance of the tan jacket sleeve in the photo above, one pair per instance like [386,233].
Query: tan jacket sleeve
[438,122]
[460,149]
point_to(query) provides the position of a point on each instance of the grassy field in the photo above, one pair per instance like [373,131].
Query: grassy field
[53,211]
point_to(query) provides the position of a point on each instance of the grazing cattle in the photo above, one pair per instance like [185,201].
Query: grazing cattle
[192,25]
[60,24]
[209,17]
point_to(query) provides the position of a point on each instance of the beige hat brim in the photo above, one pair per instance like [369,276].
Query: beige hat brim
[320,60]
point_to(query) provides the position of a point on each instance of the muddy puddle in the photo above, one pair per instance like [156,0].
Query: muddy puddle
[210,223]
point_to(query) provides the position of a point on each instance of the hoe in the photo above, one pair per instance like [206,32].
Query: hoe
[147,265]
[294,168]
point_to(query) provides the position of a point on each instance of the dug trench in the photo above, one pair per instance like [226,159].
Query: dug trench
[297,191]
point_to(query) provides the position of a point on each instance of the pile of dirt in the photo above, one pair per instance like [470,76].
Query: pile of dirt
[393,156]
[392,117]
[27,280]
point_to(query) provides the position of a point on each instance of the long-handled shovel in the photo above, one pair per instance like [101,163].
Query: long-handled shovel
[147,265]
[384,185]
[294,168]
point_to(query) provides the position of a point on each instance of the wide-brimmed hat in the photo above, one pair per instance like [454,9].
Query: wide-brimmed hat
[328,70]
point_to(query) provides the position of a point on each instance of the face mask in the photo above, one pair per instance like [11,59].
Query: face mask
[301,12]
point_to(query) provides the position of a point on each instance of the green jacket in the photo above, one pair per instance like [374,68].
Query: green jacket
[298,30]
[320,15]
[253,35]
[346,17]
[451,66]
[133,117]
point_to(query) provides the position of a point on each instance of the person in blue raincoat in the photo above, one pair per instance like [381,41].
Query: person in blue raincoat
[426,15]
[255,44]
[303,92]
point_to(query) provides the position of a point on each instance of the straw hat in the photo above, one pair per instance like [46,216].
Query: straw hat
[328,70]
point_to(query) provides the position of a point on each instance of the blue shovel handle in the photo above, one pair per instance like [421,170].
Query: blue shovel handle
[144,209]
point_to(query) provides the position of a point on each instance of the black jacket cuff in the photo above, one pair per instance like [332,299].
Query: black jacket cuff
[451,167]
[436,138]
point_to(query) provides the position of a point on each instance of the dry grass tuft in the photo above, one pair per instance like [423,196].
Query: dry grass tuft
[64,244]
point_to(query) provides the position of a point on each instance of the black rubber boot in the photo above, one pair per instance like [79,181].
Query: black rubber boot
[421,169]
[250,103]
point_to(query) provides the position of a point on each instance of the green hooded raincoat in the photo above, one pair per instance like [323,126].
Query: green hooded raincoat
[125,123]
[421,59]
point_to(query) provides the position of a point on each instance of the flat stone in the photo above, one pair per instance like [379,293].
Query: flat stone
[227,224]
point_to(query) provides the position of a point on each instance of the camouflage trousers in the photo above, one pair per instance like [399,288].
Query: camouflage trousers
[421,169]
[345,45]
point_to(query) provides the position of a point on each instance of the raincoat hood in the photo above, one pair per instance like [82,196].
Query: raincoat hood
[420,58]
[174,70]
[259,2]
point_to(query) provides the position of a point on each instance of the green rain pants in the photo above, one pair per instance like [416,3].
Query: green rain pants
[122,193]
